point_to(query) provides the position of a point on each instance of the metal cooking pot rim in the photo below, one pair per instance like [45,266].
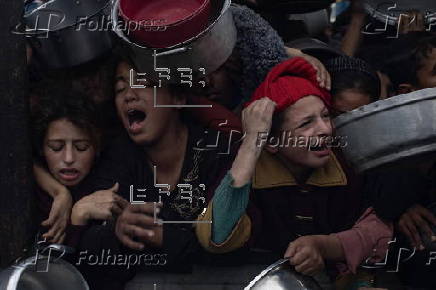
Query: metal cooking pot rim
[381,105]
[265,272]
[17,271]
[120,33]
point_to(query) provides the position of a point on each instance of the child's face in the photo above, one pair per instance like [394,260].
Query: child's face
[307,119]
[144,122]
[427,74]
[348,100]
[68,151]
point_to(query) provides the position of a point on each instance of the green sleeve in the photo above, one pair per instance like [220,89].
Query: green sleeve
[228,206]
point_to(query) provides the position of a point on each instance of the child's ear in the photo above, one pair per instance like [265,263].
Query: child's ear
[271,149]
[405,89]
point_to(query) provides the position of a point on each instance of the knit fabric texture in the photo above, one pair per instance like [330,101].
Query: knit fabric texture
[290,81]
[347,63]
[259,47]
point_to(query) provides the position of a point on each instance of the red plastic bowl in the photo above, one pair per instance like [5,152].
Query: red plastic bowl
[164,23]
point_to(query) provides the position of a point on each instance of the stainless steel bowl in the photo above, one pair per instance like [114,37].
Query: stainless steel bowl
[391,131]
[42,272]
[281,276]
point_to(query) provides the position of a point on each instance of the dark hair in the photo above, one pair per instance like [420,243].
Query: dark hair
[355,80]
[408,55]
[55,103]
[353,73]
[277,121]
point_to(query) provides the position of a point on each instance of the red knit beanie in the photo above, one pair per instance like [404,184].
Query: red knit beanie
[290,81]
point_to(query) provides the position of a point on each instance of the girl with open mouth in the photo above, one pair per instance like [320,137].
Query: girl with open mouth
[67,142]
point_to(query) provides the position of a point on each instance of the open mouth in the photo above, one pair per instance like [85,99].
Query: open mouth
[135,116]
[317,145]
[321,147]
[135,119]
[69,173]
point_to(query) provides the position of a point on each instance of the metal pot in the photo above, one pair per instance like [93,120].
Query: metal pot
[281,276]
[202,54]
[64,33]
[42,272]
[168,26]
[389,11]
[390,131]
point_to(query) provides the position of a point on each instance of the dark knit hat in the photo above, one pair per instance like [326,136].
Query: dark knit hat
[290,81]
[347,63]
[259,47]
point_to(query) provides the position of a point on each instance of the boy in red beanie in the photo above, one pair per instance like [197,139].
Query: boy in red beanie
[305,204]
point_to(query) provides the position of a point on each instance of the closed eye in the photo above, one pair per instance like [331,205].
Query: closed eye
[82,145]
[305,123]
[119,87]
[56,145]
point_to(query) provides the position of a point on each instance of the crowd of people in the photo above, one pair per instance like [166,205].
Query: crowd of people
[255,177]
